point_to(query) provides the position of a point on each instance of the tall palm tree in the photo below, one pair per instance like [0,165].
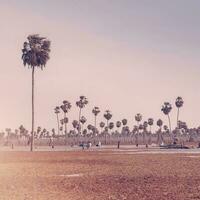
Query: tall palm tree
[35,53]
[66,106]
[81,104]
[95,111]
[166,109]
[179,103]
[57,111]
[150,123]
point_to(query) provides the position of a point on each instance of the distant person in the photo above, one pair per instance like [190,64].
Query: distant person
[118,144]
[99,144]
[51,142]
[89,144]
[29,141]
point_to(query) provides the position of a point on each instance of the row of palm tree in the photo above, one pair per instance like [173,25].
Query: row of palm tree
[82,102]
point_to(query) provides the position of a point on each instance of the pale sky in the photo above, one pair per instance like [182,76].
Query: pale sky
[127,56]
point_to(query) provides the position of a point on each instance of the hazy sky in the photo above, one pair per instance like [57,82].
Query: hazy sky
[128,56]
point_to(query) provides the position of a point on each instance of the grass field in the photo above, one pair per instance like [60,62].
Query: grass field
[98,175]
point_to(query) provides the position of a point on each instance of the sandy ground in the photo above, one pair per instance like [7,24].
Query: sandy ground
[95,175]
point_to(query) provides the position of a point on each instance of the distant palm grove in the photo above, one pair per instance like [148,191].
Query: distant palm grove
[35,54]
[106,131]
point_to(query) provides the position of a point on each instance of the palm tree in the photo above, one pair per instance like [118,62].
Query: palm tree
[145,125]
[75,124]
[101,124]
[95,111]
[111,125]
[66,120]
[84,132]
[82,120]
[182,125]
[166,129]
[39,129]
[150,123]
[118,124]
[38,132]
[81,104]
[66,106]
[53,132]
[159,124]
[107,115]
[35,53]
[57,111]
[124,122]
[62,123]
[141,127]
[166,108]
[138,118]
[179,103]
[89,127]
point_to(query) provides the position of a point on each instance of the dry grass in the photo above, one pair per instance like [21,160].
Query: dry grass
[103,175]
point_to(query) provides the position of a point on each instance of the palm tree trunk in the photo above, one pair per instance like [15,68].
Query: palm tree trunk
[32,131]
[106,133]
[95,121]
[65,129]
[170,129]
[58,124]
[137,135]
[144,137]
[177,116]
[79,123]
